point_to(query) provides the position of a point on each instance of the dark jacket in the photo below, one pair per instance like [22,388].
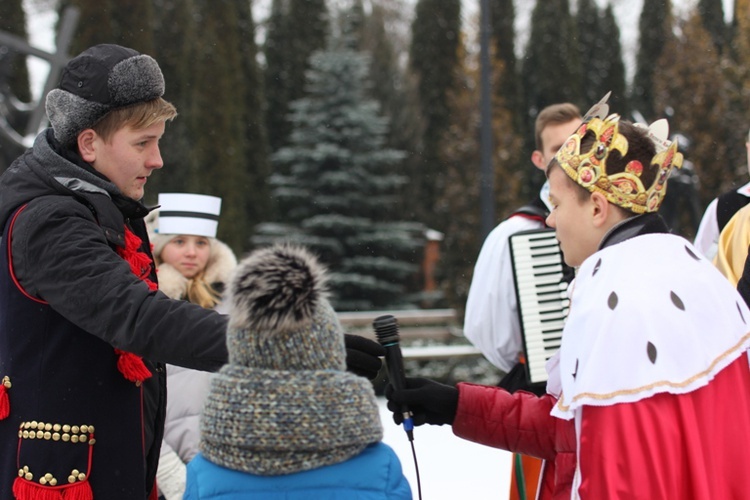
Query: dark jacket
[67,300]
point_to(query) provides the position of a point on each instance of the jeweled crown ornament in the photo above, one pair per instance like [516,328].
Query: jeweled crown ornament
[626,188]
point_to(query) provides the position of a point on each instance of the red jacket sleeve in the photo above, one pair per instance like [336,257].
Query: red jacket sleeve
[518,422]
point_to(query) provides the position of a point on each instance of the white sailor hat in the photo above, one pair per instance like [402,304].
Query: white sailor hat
[184,213]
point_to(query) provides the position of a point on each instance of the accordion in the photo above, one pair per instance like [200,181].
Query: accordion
[541,280]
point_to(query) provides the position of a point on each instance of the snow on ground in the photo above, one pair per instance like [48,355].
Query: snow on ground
[449,467]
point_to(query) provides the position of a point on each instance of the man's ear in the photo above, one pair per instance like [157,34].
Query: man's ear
[86,145]
[601,209]
[537,158]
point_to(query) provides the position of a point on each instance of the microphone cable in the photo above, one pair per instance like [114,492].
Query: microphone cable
[386,331]
[416,468]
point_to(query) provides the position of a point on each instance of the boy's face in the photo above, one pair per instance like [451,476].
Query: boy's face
[129,157]
[572,219]
[553,137]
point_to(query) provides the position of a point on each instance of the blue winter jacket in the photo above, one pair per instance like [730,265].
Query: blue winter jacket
[373,474]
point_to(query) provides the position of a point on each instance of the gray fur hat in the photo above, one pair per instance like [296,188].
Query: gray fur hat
[98,80]
[285,402]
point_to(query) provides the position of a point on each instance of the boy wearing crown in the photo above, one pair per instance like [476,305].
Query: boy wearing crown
[649,394]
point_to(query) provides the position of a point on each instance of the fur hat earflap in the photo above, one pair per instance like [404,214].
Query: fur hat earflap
[277,288]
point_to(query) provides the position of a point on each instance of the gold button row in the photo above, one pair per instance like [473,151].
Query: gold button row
[75,429]
[49,479]
[47,431]
[56,436]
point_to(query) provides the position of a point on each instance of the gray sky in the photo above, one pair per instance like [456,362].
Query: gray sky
[627,12]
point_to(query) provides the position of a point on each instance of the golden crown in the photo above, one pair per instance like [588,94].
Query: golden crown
[625,189]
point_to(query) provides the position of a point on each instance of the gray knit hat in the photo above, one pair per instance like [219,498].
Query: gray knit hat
[98,80]
[285,402]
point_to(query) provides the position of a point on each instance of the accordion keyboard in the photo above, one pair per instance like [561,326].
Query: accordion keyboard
[542,296]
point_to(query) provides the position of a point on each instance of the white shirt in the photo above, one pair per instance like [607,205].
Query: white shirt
[707,237]
[491,319]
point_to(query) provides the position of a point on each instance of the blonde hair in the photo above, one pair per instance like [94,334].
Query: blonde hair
[202,293]
[138,116]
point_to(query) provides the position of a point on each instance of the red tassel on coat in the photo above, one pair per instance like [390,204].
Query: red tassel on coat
[140,262]
[24,489]
[4,400]
[132,366]
[129,364]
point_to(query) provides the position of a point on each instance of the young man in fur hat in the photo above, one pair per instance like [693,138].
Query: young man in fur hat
[649,394]
[84,333]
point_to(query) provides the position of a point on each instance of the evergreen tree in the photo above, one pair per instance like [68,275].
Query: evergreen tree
[551,66]
[95,23]
[507,91]
[276,74]
[295,29]
[12,65]
[336,183]
[613,66]
[217,120]
[712,14]
[591,41]
[551,72]
[688,86]
[601,56]
[433,57]
[654,27]
[258,206]
[461,195]
[133,23]
[394,87]
[174,38]
[509,115]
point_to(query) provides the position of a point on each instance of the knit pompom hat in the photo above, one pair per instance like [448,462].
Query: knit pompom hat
[98,80]
[284,403]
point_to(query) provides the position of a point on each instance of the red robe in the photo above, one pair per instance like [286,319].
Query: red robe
[686,446]
[649,395]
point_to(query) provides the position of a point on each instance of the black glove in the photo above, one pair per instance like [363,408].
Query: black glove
[363,356]
[429,401]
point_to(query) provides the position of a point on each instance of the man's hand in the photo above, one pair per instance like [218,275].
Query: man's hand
[429,401]
[363,356]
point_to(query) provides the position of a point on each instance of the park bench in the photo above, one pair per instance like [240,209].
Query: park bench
[425,334]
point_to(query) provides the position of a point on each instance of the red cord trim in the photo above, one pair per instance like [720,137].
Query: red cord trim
[23,489]
[10,260]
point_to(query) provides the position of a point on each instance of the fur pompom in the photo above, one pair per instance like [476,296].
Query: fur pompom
[276,288]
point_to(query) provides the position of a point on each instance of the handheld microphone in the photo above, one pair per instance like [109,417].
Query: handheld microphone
[386,331]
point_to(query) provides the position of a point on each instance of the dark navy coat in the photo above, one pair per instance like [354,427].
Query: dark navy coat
[67,300]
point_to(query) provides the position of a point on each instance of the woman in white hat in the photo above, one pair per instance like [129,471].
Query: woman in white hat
[191,265]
